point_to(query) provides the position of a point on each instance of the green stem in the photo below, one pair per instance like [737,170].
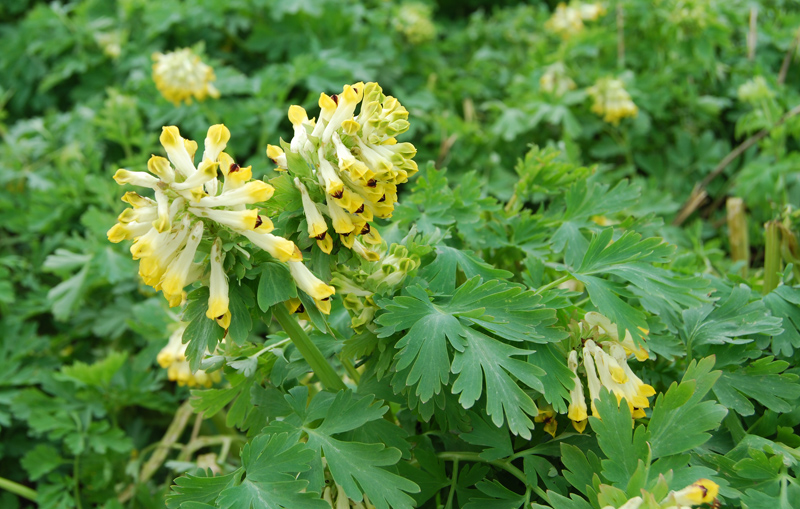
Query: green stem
[474,456]
[329,378]
[18,489]
[453,484]
[555,283]
[772,257]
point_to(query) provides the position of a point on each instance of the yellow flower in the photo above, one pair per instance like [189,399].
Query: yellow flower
[181,76]
[548,417]
[577,402]
[604,326]
[556,81]
[173,358]
[565,21]
[188,203]
[310,284]
[616,376]
[611,100]
[703,491]
[356,163]
[414,21]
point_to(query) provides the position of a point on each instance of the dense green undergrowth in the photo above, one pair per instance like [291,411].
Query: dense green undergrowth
[540,205]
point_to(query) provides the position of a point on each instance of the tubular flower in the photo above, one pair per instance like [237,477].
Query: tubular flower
[616,376]
[173,358]
[356,164]
[605,327]
[191,204]
[180,76]
[702,491]
[577,402]
[611,100]
[548,417]
[310,284]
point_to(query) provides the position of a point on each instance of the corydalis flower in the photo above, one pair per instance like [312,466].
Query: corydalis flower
[190,203]
[180,76]
[173,358]
[414,21]
[611,100]
[356,164]
[567,20]
[611,370]
[700,492]
[608,332]
[556,81]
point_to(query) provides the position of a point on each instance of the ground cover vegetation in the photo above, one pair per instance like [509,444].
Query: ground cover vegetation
[399,254]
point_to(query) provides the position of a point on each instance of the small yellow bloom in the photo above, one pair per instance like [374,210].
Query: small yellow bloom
[703,491]
[310,284]
[181,76]
[548,417]
[611,100]
[218,285]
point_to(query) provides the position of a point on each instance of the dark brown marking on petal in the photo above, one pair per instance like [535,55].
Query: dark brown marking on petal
[366,229]
[338,194]
[259,221]
[321,236]
[383,198]
[360,209]
[234,168]
[300,309]
[335,99]
[372,183]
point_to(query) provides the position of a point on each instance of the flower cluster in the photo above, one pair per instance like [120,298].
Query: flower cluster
[702,491]
[173,358]
[556,81]
[168,229]
[611,100]
[180,76]
[567,20]
[413,20]
[605,361]
[190,215]
[355,165]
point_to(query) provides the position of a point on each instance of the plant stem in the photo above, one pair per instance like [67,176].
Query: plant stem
[772,256]
[329,378]
[553,284]
[18,489]
[453,484]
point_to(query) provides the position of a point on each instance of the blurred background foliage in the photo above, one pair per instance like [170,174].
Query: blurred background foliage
[77,101]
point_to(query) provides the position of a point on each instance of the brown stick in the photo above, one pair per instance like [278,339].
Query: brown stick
[787,60]
[752,35]
[699,192]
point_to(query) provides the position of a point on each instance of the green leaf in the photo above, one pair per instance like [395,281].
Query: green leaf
[489,360]
[501,308]
[784,303]
[98,374]
[41,460]
[241,301]
[275,285]
[441,272]
[494,496]
[630,258]
[681,419]
[622,447]
[728,321]
[271,464]
[357,467]
[202,334]
[760,380]
[191,490]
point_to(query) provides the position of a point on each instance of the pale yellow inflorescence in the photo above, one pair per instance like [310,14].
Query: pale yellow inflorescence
[567,20]
[611,100]
[556,81]
[173,358]
[702,491]
[356,165]
[605,361]
[181,76]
